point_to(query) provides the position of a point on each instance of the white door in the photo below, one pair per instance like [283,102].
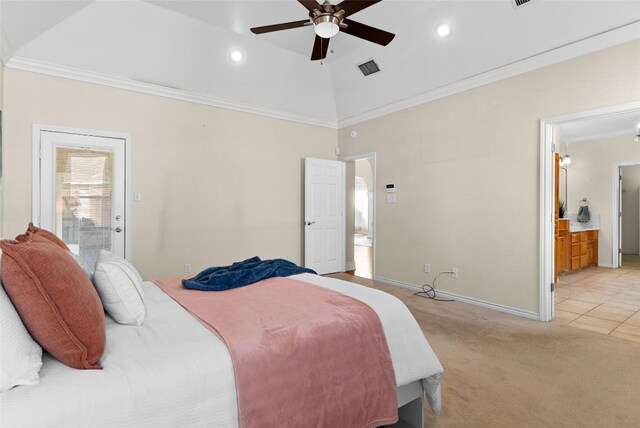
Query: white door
[82,192]
[324,205]
[619,217]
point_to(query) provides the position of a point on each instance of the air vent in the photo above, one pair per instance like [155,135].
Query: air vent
[519,3]
[368,68]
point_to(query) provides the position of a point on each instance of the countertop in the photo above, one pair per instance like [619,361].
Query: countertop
[577,227]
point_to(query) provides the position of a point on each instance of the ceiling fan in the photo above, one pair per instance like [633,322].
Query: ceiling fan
[328,20]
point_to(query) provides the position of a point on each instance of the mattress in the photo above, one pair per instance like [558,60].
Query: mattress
[172,371]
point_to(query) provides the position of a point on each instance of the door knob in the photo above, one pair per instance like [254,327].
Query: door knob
[117,229]
[309,223]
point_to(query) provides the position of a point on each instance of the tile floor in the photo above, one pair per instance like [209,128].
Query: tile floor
[602,300]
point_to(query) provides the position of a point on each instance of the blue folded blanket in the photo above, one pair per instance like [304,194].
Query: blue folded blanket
[242,273]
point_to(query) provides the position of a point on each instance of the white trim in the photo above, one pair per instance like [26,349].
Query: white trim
[464,299]
[546,195]
[370,155]
[585,46]
[617,205]
[547,221]
[37,129]
[349,265]
[344,212]
[26,64]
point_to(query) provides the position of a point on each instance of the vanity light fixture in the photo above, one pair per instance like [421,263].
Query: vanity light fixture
[565,160]
[443,30]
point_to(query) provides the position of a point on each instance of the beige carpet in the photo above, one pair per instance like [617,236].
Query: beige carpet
[506,371]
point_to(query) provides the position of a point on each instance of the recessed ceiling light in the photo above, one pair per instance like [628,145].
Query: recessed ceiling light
[236,56]
[443,30]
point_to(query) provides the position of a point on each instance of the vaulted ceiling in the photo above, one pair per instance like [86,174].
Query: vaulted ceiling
[186,45]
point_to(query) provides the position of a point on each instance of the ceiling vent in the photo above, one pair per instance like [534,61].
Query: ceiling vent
[518,3]
[368,68]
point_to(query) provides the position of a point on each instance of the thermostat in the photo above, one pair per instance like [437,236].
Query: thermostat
[391,188]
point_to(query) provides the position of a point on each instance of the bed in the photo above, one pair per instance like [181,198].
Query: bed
[172,371]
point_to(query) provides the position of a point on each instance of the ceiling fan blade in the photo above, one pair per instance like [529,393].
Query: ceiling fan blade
[320,48]
[354,6]
[311,4]
[366,32]
[278,27]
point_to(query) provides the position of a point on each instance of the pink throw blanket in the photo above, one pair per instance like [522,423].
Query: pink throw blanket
[303,356]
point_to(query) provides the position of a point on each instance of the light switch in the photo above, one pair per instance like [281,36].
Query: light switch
[391,198]
[137,196]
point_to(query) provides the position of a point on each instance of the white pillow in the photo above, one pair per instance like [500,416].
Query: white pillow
[120,288]
[20,355]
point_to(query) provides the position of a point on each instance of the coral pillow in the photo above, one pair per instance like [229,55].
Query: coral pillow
[41,233]
[56,301]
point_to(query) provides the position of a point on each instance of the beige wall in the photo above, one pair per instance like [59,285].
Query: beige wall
[467,173]
[631,209]
[591,175]
[217,185]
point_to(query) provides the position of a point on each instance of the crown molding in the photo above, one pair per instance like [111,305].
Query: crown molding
[581,47]
[31,65]
[571,50]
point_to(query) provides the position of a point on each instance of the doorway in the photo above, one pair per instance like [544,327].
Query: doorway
[591,292]
[360,240]
[629,202]
[80,191]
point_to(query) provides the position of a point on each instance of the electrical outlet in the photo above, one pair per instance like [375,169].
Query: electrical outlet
[427,268]
[187,268]
[456,272]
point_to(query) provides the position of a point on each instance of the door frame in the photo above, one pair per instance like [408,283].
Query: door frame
[546,214]
[616,244]
[37,129]
[353,158]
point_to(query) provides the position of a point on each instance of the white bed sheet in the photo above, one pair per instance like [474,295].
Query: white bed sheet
[172,371]
[169,372]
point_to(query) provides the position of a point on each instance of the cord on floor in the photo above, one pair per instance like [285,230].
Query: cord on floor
[429,291]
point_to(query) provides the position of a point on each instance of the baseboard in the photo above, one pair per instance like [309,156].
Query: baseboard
[606,265]
[350,266]
[464,299]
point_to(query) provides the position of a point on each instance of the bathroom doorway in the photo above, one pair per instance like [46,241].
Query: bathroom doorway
[361,195]
[591,151]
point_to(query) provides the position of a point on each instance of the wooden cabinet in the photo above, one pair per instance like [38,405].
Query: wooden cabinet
[584,249]
[563,243]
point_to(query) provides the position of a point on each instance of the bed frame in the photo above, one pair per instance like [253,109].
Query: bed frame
[410,404]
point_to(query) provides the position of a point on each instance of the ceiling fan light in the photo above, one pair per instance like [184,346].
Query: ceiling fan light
[236,56]
[443,30]
[326,26]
